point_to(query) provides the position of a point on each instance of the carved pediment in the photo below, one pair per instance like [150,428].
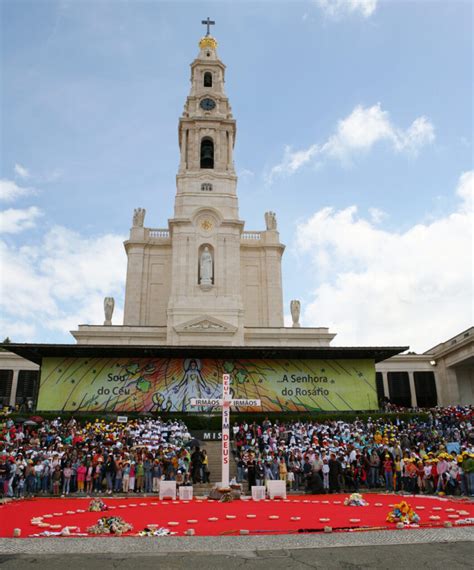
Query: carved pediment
[205,324]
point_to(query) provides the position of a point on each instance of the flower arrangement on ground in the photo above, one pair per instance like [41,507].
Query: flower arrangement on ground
[355,500]
[97,505]
[152,530]
[110,525]
[226,498]
[404,513]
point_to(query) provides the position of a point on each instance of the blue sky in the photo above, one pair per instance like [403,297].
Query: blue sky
[354,123]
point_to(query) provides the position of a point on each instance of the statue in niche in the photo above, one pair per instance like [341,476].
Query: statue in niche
[138,217]
[295,308]
[205,267]
[109,304]
[270,220]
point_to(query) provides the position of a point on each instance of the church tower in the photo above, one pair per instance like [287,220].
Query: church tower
[203,280]
[206,230]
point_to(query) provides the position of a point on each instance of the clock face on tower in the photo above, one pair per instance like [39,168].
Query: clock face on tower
[207,104]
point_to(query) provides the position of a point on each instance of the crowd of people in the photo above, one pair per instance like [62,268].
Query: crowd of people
[64,457]
[61,457]
[432,456]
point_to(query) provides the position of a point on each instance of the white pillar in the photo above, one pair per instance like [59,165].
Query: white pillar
[231,150]
[225,429]
[411,381]
[183,147]
[439,389]
[386,391]
[196,158]
[14,387]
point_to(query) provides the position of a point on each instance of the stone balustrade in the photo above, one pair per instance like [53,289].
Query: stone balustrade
[158,233]
[252,235]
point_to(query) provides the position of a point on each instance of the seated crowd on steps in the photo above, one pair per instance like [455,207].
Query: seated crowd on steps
[63,457]
[419,456]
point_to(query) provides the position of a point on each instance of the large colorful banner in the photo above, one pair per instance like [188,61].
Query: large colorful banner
[169,384]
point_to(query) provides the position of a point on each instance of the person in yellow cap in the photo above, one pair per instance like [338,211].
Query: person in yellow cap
[422,451]
[428,476]
[468,474]
[412,474]
[388,473]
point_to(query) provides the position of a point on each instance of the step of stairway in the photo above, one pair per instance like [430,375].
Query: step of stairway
[214,457]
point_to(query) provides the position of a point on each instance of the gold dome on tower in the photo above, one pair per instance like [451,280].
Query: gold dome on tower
[208,42]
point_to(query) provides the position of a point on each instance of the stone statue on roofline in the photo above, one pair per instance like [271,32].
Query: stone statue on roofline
[295,308]
[109,304]
[138,217]
[270,220]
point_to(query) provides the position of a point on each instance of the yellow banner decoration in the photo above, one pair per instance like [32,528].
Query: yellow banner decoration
[168,384]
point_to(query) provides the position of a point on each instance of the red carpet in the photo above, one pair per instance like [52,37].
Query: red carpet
[141,511]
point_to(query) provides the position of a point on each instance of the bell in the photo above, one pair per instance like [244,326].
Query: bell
[207,153]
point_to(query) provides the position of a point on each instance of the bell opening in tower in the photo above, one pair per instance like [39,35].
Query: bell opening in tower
[207,153]
[208,79]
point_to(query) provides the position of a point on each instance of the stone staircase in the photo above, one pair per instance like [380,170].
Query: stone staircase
[213,449]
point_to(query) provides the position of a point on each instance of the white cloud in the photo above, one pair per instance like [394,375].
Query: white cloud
[420,133]
[465,190]
[16,330]
[21,171]
[10,191]
[39,178]
[292,161]
[339,8]
[13,221]
[59,283]
[365,127]
[246,174]
[360,131]
[376,215]
[356,134]
[374,286]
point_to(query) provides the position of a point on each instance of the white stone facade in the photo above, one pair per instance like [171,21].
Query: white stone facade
[452,365]
[239,301]
[11,368]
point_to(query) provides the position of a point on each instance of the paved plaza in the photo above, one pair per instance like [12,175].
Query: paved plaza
[433,548]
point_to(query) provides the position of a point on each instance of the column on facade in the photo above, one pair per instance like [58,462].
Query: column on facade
[451,387]
[14,387]
[195,156]
[231,146]
[135,279]
[274,296]
[386,391]
[411,381]
[184,150]
[439,388]
[220,266]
